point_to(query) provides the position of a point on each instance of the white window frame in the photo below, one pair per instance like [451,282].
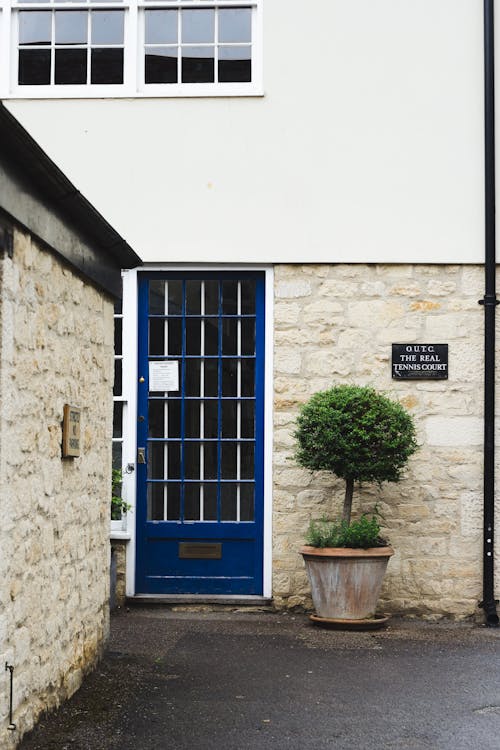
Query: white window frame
[133,65]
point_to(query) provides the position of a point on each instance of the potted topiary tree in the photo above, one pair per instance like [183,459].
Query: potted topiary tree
[360,436]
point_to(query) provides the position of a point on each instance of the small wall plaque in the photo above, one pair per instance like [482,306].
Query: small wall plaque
[420,361]
[164,375]
[200,551]
[71,431]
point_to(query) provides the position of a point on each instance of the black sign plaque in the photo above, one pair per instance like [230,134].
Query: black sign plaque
[420,361]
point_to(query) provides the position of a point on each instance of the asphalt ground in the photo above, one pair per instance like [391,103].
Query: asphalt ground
[239,680]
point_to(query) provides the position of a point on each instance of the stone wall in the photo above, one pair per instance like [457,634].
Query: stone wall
[335,324]
[56,347]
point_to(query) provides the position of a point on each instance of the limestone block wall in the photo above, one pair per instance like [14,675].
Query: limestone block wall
[56,347]
[335,324]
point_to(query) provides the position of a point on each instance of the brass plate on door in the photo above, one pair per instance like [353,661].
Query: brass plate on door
[200,551]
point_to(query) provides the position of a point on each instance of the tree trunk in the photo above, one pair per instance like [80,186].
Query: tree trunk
[349,488]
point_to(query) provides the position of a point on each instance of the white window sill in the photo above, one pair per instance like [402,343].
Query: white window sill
[195,91]
[123,536]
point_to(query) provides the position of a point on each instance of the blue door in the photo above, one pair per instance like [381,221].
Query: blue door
[200,433]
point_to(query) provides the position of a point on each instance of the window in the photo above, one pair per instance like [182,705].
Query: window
[102,48]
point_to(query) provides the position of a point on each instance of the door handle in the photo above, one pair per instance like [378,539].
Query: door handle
[141,455]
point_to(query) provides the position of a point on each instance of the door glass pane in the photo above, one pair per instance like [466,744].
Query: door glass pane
[248,297]
[192,502]
[192,419]
[192,377]
[175,337]
[211,377]
[211,297]
[229,297]
[228,502]
[230,377]
[230,336]
[247,460]
[210,419]
[173,495]
[174,418]
[210,502]
[157,336]
[156,460]
[192,460]
[174,297]
[248,336]
[156,502]
[228,461]
[156,297]
[210,460]
[193,297]
[247,419]
[247,377]
[211,336]
[193,336]
[229,414]
[247,502]
[156,418]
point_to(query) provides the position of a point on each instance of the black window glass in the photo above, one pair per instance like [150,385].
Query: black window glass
[34,67]
[197,65]
[71,66]
[107,66]
[160,65]
[235,64]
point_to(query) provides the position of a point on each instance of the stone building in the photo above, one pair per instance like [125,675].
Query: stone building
[305,185]
[59,276]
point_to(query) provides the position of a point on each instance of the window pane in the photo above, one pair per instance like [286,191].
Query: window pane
[117,455]
[71,66]
[156,297]
[248,297]
[228,502]
[117,419]
[247,419]
[174,418]
[192,419]
[107,66]
[247,460]
[229,297]
[173,502]
[157,336]
[192,384]
[247,377]
[210,460]
[193,297]
[155,502]
[107,27]
[211,297]
[248,336]
[175,336]
[191,460]
[192,502]
[34,67]
[211,377]
[117,387]
[118,335]
[173,460]
[198,26]
[246,502]
[35,27]
[193,336]
[235,64]
[160,65]
[229,411]
[229,336]
[211,336]
[71,27]
[210,419]
[197,65]
[161,27]
[157,454]
[235,25]
[229,377]
[210,502]
[228,461]
[175,297]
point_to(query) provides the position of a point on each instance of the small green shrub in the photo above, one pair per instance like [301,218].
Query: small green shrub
[357,434]
[119,506]
[359,534]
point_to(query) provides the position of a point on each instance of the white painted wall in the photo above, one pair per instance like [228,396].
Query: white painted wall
[367,145]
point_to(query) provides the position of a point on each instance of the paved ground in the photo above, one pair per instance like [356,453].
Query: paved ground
[242,681]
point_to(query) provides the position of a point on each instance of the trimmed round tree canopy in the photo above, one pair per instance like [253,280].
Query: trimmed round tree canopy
[356,433]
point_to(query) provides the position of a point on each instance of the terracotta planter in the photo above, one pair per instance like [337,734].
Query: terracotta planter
[346,582]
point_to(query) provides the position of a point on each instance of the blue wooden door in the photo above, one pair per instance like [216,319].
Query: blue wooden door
[200,433]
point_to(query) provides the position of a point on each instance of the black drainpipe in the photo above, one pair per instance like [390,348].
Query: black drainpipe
[490,302]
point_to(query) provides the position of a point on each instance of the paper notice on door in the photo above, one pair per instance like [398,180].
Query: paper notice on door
[164,376]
